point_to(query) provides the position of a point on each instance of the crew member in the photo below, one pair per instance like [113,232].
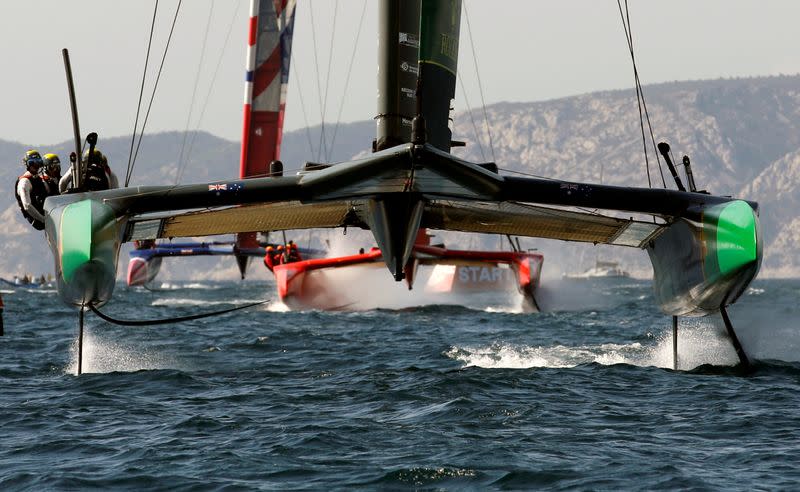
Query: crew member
[52,173]
[280,254]
[31,190]
[269,258]
[292,253]
[98,175]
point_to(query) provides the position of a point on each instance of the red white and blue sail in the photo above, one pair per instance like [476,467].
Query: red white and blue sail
[268,57]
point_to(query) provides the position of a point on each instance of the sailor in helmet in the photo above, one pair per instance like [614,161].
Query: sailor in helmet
[269,257]
[292,252]
[52,173]
[31,190]
[280,254]
[98,175]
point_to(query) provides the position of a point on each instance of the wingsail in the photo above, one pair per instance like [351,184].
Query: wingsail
[269,55]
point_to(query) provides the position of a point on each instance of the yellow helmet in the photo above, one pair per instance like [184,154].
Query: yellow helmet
[52,164]
[97,156]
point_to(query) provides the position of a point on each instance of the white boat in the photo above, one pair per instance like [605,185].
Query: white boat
[601,269]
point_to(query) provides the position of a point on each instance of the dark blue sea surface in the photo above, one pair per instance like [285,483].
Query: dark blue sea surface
[443,397]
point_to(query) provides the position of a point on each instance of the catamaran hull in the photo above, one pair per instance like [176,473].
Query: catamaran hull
[84,237]
[703,265]
[142,271]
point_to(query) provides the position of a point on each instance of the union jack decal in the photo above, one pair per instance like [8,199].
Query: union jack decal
[218,187]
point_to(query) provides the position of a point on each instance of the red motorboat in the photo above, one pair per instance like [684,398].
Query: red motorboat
[348,283]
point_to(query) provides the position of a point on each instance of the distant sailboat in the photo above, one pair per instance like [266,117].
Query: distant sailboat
[603,269]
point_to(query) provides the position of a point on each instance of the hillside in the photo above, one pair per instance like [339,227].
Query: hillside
[743,136]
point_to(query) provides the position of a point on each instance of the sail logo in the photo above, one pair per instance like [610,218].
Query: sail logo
[409,39]
[409,68]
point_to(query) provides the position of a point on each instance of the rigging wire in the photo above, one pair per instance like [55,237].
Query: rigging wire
[141,92]
[153,96]
[471,116]
[626,25]
[319,87]
[208,94]
[303,106]
[328,75]
[181,163]
[480,85]
[347,81]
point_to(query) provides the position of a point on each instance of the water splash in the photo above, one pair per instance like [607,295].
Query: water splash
[368,287]
[699,343]
[189,285]
[277,307]
[513,308]
[104,356]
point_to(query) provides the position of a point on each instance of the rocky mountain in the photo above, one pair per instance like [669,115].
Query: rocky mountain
[742,135]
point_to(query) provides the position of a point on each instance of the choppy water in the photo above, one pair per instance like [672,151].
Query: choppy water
[438,397]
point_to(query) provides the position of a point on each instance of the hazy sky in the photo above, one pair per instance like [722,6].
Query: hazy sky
[527,50]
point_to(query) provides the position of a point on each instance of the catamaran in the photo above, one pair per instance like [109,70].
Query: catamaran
[705,249]
[309,284]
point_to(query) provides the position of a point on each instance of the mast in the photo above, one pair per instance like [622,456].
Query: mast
[75,165]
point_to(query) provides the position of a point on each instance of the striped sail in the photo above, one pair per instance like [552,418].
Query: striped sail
[268,56]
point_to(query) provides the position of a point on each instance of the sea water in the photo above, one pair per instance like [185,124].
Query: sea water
[468,394]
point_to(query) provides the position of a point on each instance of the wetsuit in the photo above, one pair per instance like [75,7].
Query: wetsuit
[31,192]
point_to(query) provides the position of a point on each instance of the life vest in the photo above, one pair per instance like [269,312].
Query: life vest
[96,177]
[38,194]
[292,254]
[269,260]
